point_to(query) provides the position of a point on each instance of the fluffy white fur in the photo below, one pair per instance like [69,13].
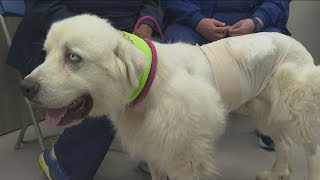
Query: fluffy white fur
[176,126]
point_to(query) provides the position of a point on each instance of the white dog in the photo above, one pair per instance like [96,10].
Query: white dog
[91,69]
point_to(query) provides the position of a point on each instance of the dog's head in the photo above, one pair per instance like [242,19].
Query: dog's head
[89,69]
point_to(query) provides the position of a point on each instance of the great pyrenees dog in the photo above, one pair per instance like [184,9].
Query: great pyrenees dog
[91,69]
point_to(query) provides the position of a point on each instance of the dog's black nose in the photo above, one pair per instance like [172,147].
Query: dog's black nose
[29,88]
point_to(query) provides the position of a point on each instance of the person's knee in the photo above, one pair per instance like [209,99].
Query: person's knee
[179,33]
[272,29]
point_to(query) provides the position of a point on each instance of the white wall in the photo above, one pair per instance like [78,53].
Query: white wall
[304,24]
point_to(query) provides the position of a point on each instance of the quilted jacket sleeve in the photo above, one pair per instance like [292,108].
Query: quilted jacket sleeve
[273,12]
[151,8]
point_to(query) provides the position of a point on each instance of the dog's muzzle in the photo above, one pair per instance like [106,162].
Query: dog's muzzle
[29,88]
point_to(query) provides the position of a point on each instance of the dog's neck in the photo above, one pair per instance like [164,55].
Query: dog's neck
[146,78]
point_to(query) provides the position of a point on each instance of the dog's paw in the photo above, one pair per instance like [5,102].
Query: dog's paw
[270,175]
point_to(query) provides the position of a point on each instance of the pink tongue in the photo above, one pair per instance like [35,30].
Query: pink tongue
[54,116]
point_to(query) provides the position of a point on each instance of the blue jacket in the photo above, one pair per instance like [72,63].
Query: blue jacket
[26,52]
[190,12]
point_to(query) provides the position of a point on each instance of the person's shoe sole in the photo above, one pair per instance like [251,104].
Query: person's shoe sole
[44,167]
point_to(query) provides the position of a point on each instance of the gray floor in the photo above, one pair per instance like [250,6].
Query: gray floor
[238,157]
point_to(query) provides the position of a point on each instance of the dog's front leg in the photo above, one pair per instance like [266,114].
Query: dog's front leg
[282,166]
[156,172]
[313,158]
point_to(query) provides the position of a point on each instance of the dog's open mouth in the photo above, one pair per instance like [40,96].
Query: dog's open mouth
[78,109]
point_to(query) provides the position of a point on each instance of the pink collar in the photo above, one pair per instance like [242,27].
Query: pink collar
[148,84]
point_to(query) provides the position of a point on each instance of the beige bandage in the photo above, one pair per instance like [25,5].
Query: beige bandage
[226,74]
[243,66]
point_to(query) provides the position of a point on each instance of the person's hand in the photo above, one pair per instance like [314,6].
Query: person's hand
[212,29]
[144,31]
[242,27]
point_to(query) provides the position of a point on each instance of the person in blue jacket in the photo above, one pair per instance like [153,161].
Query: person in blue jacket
[203,21]
[81,148]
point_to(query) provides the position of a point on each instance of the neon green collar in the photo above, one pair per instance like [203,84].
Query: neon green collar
[144,47]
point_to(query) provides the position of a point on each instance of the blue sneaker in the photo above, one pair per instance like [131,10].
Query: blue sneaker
[51,167]
[266,143]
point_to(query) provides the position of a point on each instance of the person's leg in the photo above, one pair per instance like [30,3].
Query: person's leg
[272,29]
[180,33]
[81,149]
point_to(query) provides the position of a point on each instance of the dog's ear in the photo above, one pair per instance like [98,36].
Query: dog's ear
[134,60]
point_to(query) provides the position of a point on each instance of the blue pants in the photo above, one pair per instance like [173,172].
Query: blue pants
[181,33]
[81,149]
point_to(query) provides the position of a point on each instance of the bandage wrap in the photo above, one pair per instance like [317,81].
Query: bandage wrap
[242,67]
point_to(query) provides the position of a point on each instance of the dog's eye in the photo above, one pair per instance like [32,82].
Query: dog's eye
[74,58]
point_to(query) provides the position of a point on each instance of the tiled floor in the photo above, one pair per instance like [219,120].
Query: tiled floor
[238,157]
